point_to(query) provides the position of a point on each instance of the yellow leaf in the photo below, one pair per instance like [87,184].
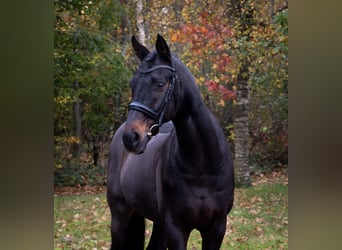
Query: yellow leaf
[221,103]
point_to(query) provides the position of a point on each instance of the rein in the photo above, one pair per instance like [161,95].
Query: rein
[157,116]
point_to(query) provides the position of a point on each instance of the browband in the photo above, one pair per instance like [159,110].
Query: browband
[157,67]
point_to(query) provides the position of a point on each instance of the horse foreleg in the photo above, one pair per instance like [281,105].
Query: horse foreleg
[157,240]
[176,237]
[127,232]
[136,233]
[127,227]
[212,236]
[119,230]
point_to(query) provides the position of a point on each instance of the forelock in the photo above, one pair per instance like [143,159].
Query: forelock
[150,57]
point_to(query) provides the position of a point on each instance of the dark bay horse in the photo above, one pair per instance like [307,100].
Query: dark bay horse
[169,162]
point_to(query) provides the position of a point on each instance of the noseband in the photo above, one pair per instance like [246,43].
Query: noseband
[158,115]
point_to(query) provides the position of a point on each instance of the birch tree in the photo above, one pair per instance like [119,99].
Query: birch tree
[140,21]
[241,18]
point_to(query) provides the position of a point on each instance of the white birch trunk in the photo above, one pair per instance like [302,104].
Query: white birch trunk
[140,22]
[241,127]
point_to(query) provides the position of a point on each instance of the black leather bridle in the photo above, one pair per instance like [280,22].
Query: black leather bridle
[158,115]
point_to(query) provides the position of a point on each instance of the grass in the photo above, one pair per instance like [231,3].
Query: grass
[258,220]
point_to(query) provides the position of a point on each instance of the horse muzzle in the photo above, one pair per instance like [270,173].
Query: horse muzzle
[136,136]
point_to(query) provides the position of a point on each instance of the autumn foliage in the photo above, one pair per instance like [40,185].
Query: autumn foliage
[205,50]
[217,40]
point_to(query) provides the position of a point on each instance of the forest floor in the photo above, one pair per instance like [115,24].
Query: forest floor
[258,220]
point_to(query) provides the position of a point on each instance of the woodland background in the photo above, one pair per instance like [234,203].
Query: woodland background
[236,49]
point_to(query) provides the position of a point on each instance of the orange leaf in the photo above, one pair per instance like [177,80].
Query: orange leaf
[204,29]
[174,37]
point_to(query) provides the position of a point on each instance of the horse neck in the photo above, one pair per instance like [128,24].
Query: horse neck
[200,138]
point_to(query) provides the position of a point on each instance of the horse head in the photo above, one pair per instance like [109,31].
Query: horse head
[154,86]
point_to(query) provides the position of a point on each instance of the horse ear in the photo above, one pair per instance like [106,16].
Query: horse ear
[140,50]
[162,48]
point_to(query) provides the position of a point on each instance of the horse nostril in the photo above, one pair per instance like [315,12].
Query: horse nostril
[130,139]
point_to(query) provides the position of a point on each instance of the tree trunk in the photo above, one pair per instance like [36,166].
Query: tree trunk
[140,22]
[78,121]
[241,127]
[240,11]
[95,152]
[125,28]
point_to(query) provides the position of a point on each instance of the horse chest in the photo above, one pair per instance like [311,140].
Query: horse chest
[138,186]
[138,172]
